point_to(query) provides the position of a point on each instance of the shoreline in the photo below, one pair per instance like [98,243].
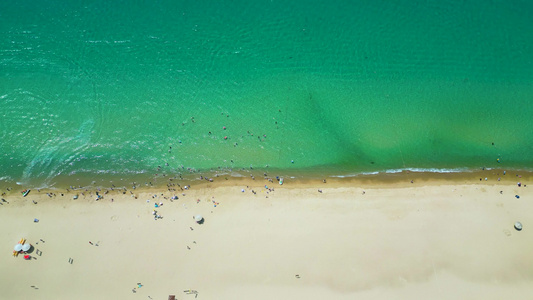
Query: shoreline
[160,180]
[176,188]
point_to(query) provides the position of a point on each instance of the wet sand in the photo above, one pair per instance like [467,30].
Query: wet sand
[439,238]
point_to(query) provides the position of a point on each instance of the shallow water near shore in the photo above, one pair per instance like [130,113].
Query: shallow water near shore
[99,91]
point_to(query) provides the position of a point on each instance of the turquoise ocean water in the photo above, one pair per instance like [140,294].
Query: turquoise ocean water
[117,88]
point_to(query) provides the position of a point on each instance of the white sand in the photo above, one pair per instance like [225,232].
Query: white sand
[439,241]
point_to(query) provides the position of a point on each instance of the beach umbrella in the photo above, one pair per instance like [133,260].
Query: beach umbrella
[26,247]
[18,247]
[198,218]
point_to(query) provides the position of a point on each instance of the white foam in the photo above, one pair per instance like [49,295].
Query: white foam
[427,170]
[395,171]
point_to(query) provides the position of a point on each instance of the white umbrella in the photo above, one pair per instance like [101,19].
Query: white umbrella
[26,247]
[198,218]
[18,247]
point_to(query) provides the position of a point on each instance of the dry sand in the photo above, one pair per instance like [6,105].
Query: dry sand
[426,240]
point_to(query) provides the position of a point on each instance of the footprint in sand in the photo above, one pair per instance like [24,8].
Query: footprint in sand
[507,232]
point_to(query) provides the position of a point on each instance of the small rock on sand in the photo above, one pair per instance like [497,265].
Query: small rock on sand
[518,226]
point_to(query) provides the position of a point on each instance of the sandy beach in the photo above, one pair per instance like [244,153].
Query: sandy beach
[343,239]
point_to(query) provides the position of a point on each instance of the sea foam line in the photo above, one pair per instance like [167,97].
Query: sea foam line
[414,170]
